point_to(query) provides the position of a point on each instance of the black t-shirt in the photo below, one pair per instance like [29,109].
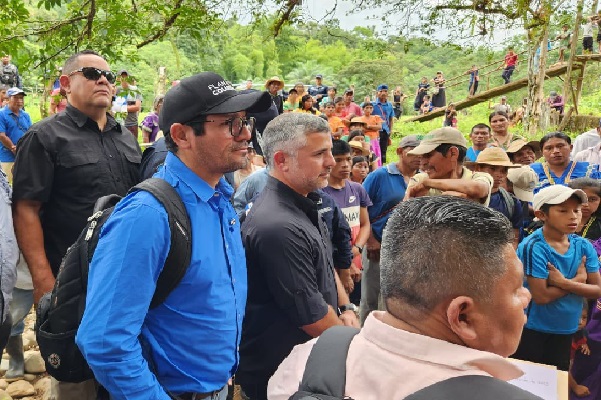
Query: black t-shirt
[290,278]
[66,163]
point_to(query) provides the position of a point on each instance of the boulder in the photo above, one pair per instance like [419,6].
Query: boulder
[20,389]
[34,363]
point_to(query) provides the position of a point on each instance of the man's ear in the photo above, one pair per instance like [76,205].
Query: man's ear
[65,82]
[181,135]
[462,317]
[453,153]
[281,161]
[399,151]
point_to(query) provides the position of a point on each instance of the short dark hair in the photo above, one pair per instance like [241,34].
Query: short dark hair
[71,63]
[337,100]
[444,149]
[354,133]
[586,183]
[469,239]
[480,125]
[293,90]
[554,135]
[340,147]
[358,159]
[495,113]
[367,104]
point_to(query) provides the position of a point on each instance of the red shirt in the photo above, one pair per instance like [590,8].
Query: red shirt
[511,60]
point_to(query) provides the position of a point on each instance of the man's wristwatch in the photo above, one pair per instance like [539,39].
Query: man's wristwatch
[358,248]
[347,307]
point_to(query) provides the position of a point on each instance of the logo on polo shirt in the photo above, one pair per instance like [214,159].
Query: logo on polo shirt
[352,199]
[220,87]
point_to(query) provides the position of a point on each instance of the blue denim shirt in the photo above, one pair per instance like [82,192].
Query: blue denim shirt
[193,337]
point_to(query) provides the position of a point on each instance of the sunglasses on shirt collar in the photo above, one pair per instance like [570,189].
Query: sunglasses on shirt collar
[93,74]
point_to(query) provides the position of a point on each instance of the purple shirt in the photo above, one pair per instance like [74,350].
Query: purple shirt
[151,125]
[350,199]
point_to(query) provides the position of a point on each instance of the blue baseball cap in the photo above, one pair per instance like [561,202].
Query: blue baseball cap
[383,87]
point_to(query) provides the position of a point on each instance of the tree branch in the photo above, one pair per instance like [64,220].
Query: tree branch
[91,16]
[45,30]
[279,23]
[161,32]
[501,11]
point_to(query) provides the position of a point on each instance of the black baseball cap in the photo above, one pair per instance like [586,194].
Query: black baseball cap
[207,93]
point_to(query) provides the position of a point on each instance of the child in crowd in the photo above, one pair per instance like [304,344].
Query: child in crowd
[426,105]
[340,112]
[353,200]
[373,127]
[450,118]
[564,38]
[560,269]
[585,372]
[590,224]
[579,343]
[292,102]
[495,162]
[336,124]
[360,169]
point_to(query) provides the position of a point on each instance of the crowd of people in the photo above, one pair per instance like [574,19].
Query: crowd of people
[452,258]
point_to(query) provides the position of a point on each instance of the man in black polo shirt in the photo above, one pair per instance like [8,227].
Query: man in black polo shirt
[63,165]
[294,293]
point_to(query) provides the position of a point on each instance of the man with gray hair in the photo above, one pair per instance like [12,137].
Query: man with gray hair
[456,312]
[294,293]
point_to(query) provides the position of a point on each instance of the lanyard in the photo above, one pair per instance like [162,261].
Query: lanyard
[549,174]
[588,225]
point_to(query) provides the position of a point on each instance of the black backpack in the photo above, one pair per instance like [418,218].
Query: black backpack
[8,76]
[60,312]
[325,376]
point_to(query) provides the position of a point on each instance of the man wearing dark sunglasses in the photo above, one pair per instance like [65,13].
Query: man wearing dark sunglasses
[64,163]
[207,132]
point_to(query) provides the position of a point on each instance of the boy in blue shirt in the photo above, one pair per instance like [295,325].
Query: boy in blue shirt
[560,268]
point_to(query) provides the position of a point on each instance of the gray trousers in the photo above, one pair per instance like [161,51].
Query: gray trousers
[370,288]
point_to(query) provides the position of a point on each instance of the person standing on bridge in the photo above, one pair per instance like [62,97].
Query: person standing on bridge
[509,65]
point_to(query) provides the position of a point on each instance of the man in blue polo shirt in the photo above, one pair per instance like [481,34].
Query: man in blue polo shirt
[14,122]
[385,110]
[137,353]
[386,188]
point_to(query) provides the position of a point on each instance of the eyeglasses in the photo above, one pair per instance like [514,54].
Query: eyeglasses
[236,124]
[93,74]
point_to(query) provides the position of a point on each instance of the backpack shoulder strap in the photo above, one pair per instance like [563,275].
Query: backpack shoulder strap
[180,252]
[325,371]
[472,387]
[509,203]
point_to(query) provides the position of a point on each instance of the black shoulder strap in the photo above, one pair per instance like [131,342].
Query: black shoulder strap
[472,387]
[180,252]
[325,371]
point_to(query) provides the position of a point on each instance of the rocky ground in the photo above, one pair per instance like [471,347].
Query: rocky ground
[36,385]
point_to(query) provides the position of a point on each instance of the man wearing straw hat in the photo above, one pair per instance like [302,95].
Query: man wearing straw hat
[443,152]
[273,86]
[524,153]
[495,162]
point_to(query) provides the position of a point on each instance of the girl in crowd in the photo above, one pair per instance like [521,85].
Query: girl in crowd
[372,131]
[439,97]
[360,169]
[499,124]
[590,224]
[307,105]
[585,372]
[422,90]
[150,124]
[426,105]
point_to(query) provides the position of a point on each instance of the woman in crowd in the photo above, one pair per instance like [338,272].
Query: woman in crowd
[300,89]
[360,169]
[439,97]
[499,124]
[307,105]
